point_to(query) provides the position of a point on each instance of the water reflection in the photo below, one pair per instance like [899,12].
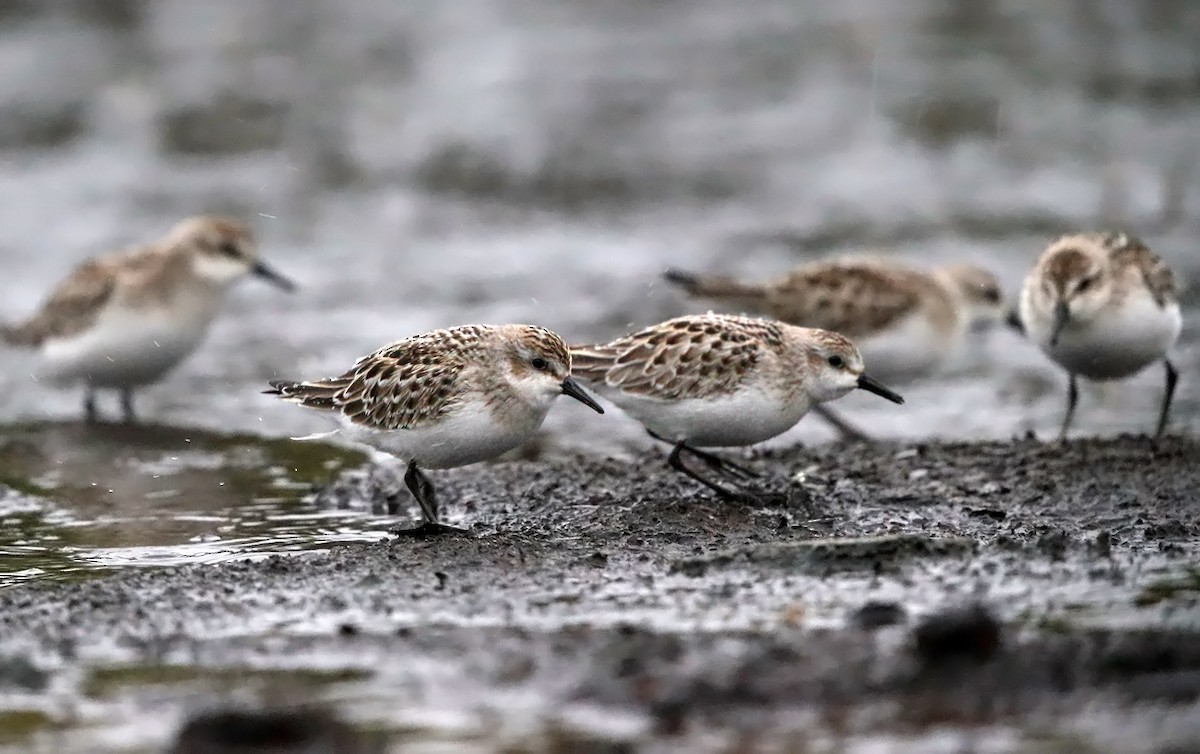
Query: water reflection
[98,498]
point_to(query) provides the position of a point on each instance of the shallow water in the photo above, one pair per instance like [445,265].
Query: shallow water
[88,500]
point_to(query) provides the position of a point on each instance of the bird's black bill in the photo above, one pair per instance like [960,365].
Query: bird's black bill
[571,387]
[1062,315]
[271,276]
[871,386]
[1013,320]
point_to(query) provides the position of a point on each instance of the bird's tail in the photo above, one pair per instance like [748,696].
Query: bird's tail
[590,362]
[20,336]
[712,286]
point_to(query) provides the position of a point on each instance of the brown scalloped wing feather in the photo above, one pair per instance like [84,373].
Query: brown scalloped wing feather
[1125,250]
[404,385]
[849,298]
[689,357]
[72,306]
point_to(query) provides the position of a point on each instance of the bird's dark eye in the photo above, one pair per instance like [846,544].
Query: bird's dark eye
[837,362]
[992,295]
[229,249]
[539,364]
[1085,284]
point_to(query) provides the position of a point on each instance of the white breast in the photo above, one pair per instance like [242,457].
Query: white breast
[126,347]
[748,416]
[469,435]
[1119,342]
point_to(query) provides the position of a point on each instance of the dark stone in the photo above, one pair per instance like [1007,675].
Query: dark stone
[19,672]
[1171,528]
[970,634]
[40,125]
[277,731]
[995,514]
[228,124]
[876,615]
[941,122]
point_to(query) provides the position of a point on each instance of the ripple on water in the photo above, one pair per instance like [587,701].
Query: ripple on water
[227,497]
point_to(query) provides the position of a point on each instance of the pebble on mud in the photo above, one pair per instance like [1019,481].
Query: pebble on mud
[971,633]
[280,731]
[226,124]
[17,672]
[875,615]
[41,125]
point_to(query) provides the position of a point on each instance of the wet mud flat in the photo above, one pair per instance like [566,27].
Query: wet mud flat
[1022,596]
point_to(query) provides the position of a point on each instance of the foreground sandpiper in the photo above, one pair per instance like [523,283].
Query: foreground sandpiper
[718,380]
[444,399]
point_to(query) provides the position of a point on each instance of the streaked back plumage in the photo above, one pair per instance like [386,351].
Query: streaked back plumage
[719,380]
[704,356]
[145,275]
[857,296]
[721,353]
[1114,265]
[415,382]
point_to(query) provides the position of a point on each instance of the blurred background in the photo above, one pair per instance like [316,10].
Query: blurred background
[423,164]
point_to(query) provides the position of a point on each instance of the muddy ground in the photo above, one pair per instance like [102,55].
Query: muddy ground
[612,603]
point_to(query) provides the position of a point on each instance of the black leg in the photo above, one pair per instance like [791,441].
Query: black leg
[659,437]
[89,405]
[1072,399]
[127,406]
[1164,412]
[422,489]
[847,430]
[722,465]
[716,463]
[675,461]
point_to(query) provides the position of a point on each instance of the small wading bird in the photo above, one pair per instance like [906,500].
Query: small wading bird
[907,322]
[124,320]
[1104,307]
[444,399]
[718,380]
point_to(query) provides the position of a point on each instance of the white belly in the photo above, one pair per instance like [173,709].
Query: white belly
[909,350]
[1117,344]
[122,349]
[470,435]
[746,417]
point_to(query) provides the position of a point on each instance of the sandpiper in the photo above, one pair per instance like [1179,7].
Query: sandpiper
[718,380]
[124,320]
[906,321]
[1103,307]
[445,399]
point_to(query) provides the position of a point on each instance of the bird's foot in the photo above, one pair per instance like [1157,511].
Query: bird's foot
[428,529]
